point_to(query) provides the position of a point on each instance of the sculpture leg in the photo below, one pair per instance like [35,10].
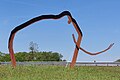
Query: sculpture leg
[13,60]
[75,53]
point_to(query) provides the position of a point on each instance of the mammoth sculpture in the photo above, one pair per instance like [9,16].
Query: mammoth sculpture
[44,17]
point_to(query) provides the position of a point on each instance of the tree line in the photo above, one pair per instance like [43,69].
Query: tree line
[29,56]
[33,55]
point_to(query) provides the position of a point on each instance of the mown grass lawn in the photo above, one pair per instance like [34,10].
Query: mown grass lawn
[59,73]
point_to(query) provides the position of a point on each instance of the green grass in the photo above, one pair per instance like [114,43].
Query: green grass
[59,73]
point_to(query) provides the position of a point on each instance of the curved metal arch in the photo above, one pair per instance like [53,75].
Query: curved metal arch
[42,17]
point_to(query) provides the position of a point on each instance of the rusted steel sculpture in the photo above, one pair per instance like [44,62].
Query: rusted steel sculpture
[43,17]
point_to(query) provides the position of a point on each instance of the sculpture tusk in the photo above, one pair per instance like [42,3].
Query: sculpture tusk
[90,53]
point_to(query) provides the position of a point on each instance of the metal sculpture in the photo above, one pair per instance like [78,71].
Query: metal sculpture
[43,17]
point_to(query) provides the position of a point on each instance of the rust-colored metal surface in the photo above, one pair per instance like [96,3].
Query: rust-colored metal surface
[43,17]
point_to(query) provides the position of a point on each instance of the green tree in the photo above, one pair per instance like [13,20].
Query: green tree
[21,56]
[56,56]
[33,47]
[117,60]
[6,58]
[24,56]
[1,58]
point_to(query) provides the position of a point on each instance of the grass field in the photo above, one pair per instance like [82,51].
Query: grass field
[59,73]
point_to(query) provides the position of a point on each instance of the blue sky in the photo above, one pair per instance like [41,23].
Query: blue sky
[98,19]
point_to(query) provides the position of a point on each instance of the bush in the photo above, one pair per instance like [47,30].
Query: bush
[38,56]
